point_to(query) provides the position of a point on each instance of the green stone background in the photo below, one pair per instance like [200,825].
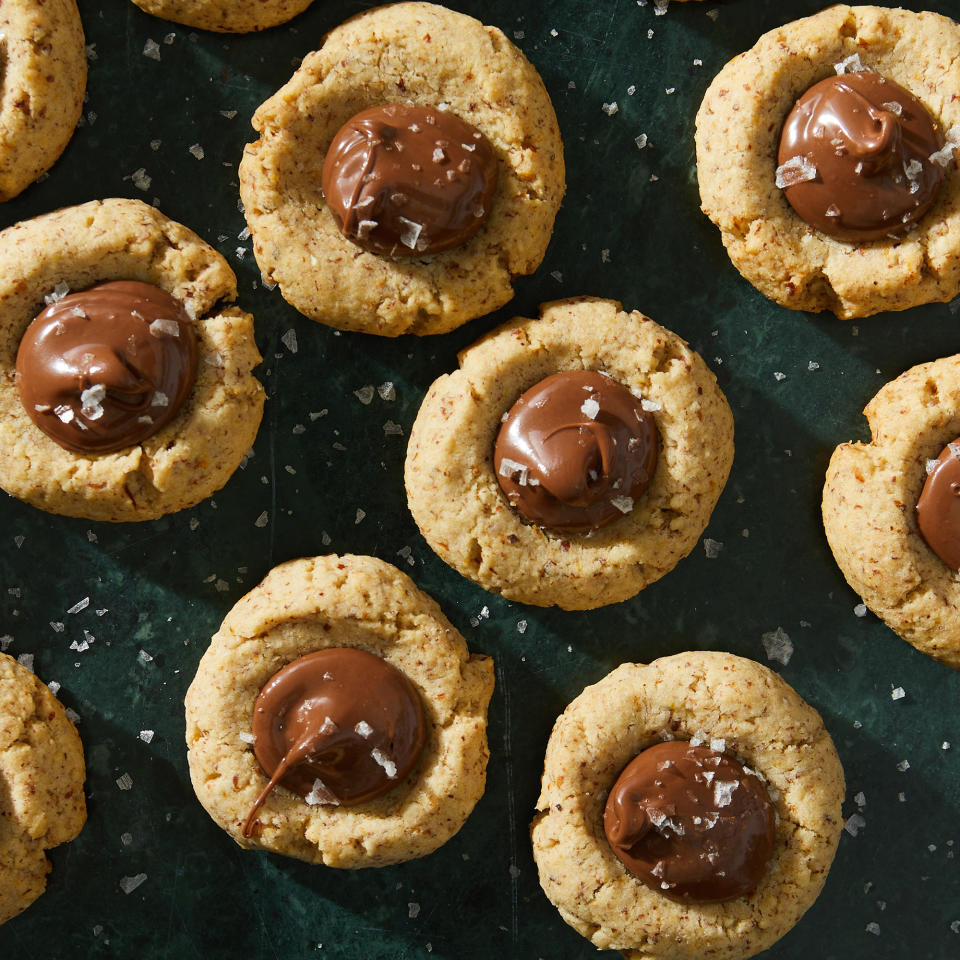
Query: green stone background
[166,587]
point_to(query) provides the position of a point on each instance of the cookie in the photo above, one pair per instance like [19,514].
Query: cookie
[41,784]
[225,16]
[738,710]
[44,81]
[870,508]
[738,133]
[453,487]
[328,605]
[400,54]
[195,453]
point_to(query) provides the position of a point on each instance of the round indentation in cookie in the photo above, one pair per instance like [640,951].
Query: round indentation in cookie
[575,451]
[859,156]
[691,823]
[407,180]
[339,726]
[105,368]
[938,509]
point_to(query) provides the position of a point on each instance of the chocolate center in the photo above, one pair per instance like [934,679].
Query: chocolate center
[339,726]
[103,369]
[858,157]
[407,181]
[691,823]
[938,509]
[576,451]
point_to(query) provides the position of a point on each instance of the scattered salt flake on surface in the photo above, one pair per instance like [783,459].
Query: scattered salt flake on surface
[860,800]
[651,406]
[410,233]
[723,792]
[712,548]
[513,870]
[850,64]
[641,141]
[151,49]
[54,686]
[631,90]
[779,376]
[389,767]
[228,114]
[605,255]
[590,407]
[79,605]
[247,737]
[18,540]
[897,693]
[289,340]
[669,90]
[903,766]
[873,927]
[26,660]
[610,108]
[317,414]
[778,645]
[144,657]
[60,290]
[146,736]
[359,515]
[160,399]
[557,275]
[902,797]
[413,910]
[164,327]
[387,391]
[392,429]
[660,7]
[5,641]
[125,781]
[554,32]
[718,744]
[298,429]
[697,62]
[945,745]
[262,520]
[521,626]
[365,394]
[325,538]
[363,729]
[793,171]
[129,884]
[623,504]
[955,926]
[319,795]
[893,107]
[169,38]
[860,610]
[813,365]
[197,151]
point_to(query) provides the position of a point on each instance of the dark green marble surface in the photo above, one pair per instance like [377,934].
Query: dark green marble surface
[630,228]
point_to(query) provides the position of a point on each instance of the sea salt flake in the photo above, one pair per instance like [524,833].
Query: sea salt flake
[247,737]
[641,141]
[319,795]
[718,744]
[778,645]
[151,49]
[410,233]
[79,605]
[945,745]
[812,366]
[832,211]
[228,114]
[660,7]
[146,736]
[196,151]
[651,406]
[860,610]
[508,468]
[363,729]
[903,766]
[623,504]
[795,170]
[723,792]
[359,515]
[860,800]
[160,399]
[262,520]
[59,292]
[590,407]
[392,429]
[125,781]
[413,910]
[779,376]
[893,107]
[387,391]
[873,928]
[521,626]
[610,108]
[389,767]
[365,394]
[289,340]
[712,548]
[26,660]
[898,693]
[163,327]
[855,823]
[54,686]
[851,64]
[129,884]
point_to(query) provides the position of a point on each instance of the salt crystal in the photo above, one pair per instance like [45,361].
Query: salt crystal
[943,157]
[860,610]
[169,38]
[521,626]
[590,407]
[793,171]
[712,548]
[387,391]
[129,884]
[411,233]
[363,728]
[508,468]
[955,926]
[5,641]
[860,800]
[778,645]
[26,660]
[850,64]
[903,766]
[91,401]
[247,737]
[413,910]
[162,326]
[651,406]
[151,49]
[669,90]
[813,365]
[160,399]
[389,767]
[931,466]
[319,795]
[262,520]
[898,693]
[228,114]
[80,605]
[945,745]
[365,394]
[59,292]
[779,376]
[197,151]
[54,686]
[832,211]
[660,7]
[125,781]
[873,928]
[623,504]
[893,107]
[723,792]
[641,141]
[359,515]
[392,429]
[610,108]
[146,736]
[718,744]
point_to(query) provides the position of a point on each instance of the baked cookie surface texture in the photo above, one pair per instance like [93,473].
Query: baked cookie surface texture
[452,486]
[41,784]
[329,603]
[226,16]
[403,53]
[191,457]
[738,129]
[737,707]
[44,80]
[869,508]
